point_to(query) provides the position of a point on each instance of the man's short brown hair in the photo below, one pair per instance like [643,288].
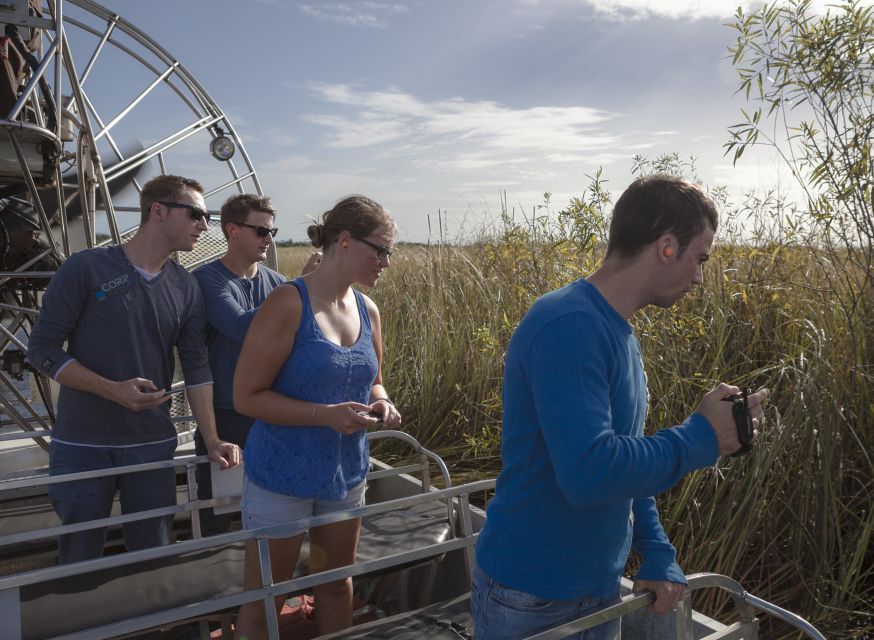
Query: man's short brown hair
[236,208]
[655,205]
[164,189]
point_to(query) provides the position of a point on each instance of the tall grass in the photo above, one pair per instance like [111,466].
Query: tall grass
[792,521]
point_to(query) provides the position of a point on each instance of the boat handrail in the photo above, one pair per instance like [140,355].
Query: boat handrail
[276,531]
[42,478]
[416,445]
[10,586]
[410,440]
[192,503]
[746,627]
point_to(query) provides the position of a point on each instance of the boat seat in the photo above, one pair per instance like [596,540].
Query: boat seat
[119,593]
[449,620]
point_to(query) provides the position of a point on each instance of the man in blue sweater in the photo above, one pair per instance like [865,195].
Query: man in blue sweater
[575,494]
[234,287]
[121,311]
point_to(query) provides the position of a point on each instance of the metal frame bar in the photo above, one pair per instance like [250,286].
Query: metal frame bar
[272,531]
[81,100]
[33,83]
[28,177]
[18,273]
[192,505]
[11,336]
[426,482]
[125,26]
[134,161]
[110,27]
[11,307]
[746,628]
[20,397]
[142,96]
[59,25]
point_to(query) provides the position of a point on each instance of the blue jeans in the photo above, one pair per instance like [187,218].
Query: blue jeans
[91,499]
[502,613]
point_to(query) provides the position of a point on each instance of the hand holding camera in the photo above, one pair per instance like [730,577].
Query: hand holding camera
[743,421]
[734,416]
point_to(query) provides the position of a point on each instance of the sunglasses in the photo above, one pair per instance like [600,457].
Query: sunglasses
[260,231]
[197,214]
[382,252]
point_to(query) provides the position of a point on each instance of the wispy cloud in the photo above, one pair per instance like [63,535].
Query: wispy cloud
[676,9]
[483,133]
[368,15]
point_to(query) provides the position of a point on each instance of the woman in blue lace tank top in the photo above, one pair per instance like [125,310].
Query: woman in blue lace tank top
[310,374]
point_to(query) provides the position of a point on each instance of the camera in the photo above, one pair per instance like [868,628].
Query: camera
[743,421]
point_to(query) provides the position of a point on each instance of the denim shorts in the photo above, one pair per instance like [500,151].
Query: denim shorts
[261,507]
[502,613]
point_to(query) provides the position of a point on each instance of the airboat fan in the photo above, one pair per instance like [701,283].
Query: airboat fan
[90,108]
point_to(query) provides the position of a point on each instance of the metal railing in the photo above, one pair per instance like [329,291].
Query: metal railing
[10,586]
[745,603]
[457,499]
[192,504]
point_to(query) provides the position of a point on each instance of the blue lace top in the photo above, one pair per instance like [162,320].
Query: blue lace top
[316,461]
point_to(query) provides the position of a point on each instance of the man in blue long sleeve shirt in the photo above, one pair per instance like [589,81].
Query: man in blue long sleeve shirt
[234,287]
[121,310]
[576,490]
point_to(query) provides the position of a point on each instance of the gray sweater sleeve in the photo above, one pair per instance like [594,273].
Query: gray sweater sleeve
[191,343]
[62,306]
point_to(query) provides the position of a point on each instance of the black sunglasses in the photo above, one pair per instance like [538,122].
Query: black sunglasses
[260,231]
[196,212]
[382,252]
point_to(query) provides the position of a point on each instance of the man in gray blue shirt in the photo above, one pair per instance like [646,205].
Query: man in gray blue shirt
[122,310]
[234,287]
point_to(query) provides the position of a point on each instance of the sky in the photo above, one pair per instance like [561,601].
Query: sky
[444,106]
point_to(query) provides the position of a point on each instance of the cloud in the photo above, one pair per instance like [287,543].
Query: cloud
[644,9]
[675,9]
[364,131]
[367,15]
[483,133]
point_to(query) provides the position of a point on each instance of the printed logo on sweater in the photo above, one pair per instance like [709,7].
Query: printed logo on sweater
[112,289]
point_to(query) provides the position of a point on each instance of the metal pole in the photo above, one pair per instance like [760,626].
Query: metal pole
[266,581]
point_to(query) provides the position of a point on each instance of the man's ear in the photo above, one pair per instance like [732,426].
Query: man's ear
[157,211]
[667,246]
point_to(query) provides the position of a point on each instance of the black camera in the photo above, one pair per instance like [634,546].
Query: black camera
[743,421]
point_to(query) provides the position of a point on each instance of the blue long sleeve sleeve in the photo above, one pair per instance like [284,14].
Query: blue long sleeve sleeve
[231,303]
[596,457]
[658,555]
[224,310]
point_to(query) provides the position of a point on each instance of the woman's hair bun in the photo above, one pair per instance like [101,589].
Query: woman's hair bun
[316,234]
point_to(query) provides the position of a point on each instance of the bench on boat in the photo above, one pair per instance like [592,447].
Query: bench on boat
[133,584]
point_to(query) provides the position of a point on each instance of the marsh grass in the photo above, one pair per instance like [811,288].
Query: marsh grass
[792,521]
